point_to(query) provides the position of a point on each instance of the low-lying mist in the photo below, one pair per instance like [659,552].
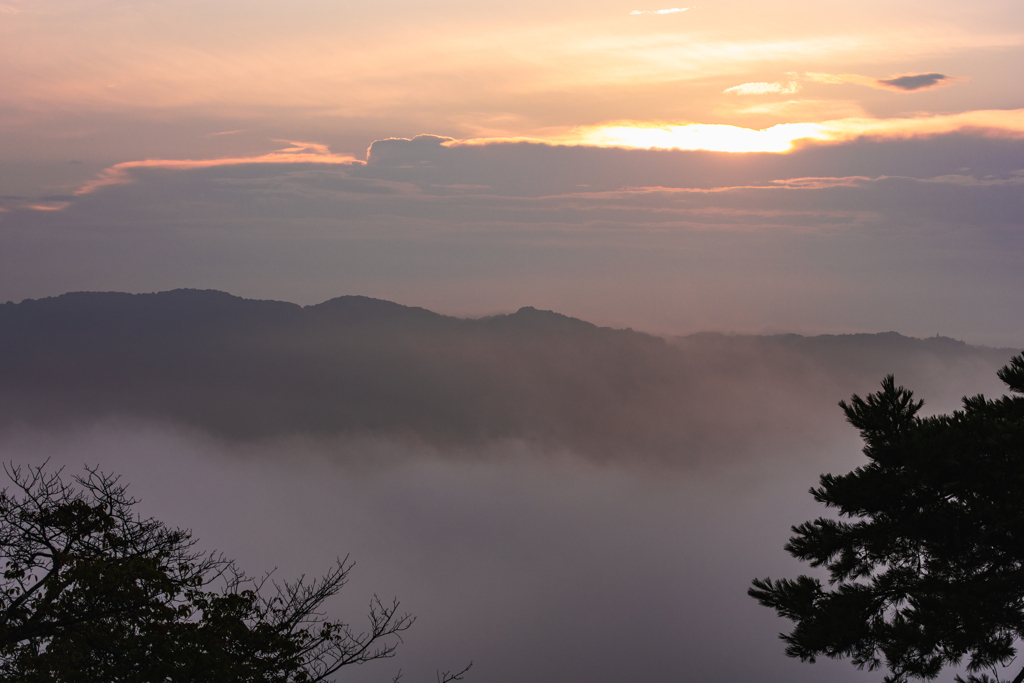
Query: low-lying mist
[557,502]
[355,367]
[538,568]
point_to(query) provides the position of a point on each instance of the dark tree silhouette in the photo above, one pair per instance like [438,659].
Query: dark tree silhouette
[93,592]
[926,559]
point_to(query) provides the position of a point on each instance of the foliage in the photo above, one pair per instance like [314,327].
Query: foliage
[93,592]
[925,561]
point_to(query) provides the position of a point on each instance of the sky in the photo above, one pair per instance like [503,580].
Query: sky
[732,166]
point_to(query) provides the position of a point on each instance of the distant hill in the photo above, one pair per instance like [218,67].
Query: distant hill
[356,366]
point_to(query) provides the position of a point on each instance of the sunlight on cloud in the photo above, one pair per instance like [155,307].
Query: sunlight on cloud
[49,206]
[626,134]
[998,122]
[803,110]
[693,136]
[296,153]
[762,88]
[782,137]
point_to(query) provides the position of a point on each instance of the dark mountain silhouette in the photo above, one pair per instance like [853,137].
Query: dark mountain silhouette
[356,366]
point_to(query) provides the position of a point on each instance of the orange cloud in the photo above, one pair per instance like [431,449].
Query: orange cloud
[56,206]
[783,137]
[296,153]
[762,88]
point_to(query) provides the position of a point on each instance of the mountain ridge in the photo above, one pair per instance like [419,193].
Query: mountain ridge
[361,308]
[355,366]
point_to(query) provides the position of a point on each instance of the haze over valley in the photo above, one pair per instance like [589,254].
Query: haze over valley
[540,490]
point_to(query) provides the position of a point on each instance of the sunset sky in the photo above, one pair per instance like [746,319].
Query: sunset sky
[867,174]
[731,166]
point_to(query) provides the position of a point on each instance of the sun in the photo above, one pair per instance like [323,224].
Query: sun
[699,136]
[782,138]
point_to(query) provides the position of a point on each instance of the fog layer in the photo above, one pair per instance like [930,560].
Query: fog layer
[558,502]
[355,367]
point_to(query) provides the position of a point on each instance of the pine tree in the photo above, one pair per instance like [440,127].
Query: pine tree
[925,557]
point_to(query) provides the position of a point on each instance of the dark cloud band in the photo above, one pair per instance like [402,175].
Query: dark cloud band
[914,81]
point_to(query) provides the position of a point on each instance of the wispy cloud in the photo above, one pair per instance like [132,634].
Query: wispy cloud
[55,206]
[45,203]
[671,10]
[295,153]
[764,88]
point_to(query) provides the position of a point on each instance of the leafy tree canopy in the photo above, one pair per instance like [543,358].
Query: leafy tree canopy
[93,592]
[925,557]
